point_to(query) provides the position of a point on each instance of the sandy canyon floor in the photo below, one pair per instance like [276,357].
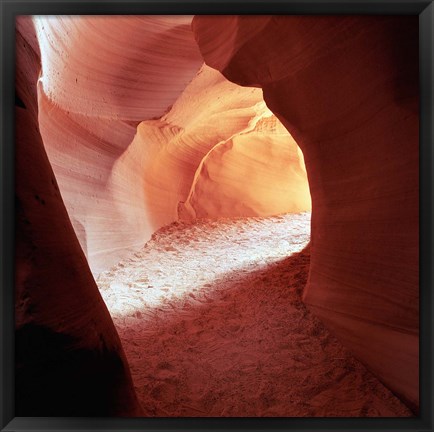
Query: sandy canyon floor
[211,319]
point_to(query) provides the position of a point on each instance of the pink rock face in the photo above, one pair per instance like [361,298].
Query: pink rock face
[100,77]
[122,179]
[347,90]
[121,129]
[69,360]
[209,115]
[93,93]
[118,67]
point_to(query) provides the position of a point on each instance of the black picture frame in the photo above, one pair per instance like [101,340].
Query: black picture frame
[11,8]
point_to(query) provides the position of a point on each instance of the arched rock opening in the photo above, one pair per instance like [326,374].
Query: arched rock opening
[141,137]
[345,88]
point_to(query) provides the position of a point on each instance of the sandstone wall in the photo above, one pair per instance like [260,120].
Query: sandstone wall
[69,359]
[346,88]
[128,115]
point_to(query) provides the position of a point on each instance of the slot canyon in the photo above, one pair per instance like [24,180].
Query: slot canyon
[217,216]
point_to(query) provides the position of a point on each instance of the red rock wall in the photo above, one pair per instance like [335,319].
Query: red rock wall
[190,166]
[346,88]
[101,76]
[134,147]
[89,170]
[127,116]
[69,360]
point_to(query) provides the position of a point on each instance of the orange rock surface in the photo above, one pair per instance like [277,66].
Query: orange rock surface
[127,131]
[122,129]
[100,77]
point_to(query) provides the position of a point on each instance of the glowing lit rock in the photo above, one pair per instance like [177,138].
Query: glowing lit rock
[253,174]
[119,181]
[100,77]
[347,90]
[171,155]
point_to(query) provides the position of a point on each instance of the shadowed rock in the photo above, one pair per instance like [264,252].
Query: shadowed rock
[346,88]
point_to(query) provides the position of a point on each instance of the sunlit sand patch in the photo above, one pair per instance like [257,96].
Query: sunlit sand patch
[182,261]
[212,323]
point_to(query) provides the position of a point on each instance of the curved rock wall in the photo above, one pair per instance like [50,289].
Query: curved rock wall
[127,68]
[101,76]
[135,144]
[347,90]
[171,153]
[127,118]
[69,360]
[260,172]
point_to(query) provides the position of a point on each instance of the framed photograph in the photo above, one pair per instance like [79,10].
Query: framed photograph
[217,216]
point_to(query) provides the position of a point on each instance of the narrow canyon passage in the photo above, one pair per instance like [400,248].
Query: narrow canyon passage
[211,320]
[136,135]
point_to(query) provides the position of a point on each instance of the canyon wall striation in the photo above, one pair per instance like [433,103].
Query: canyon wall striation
[131,122]
[346,88]
[69,359]
[121,129]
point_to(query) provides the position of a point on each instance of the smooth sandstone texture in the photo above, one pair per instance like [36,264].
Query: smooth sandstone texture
[346,88]
[252,174]
[69,359]
[173,158]
[101,76]
[128,117]
[117,67]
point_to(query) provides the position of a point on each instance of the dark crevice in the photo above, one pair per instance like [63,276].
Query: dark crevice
[19,102]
